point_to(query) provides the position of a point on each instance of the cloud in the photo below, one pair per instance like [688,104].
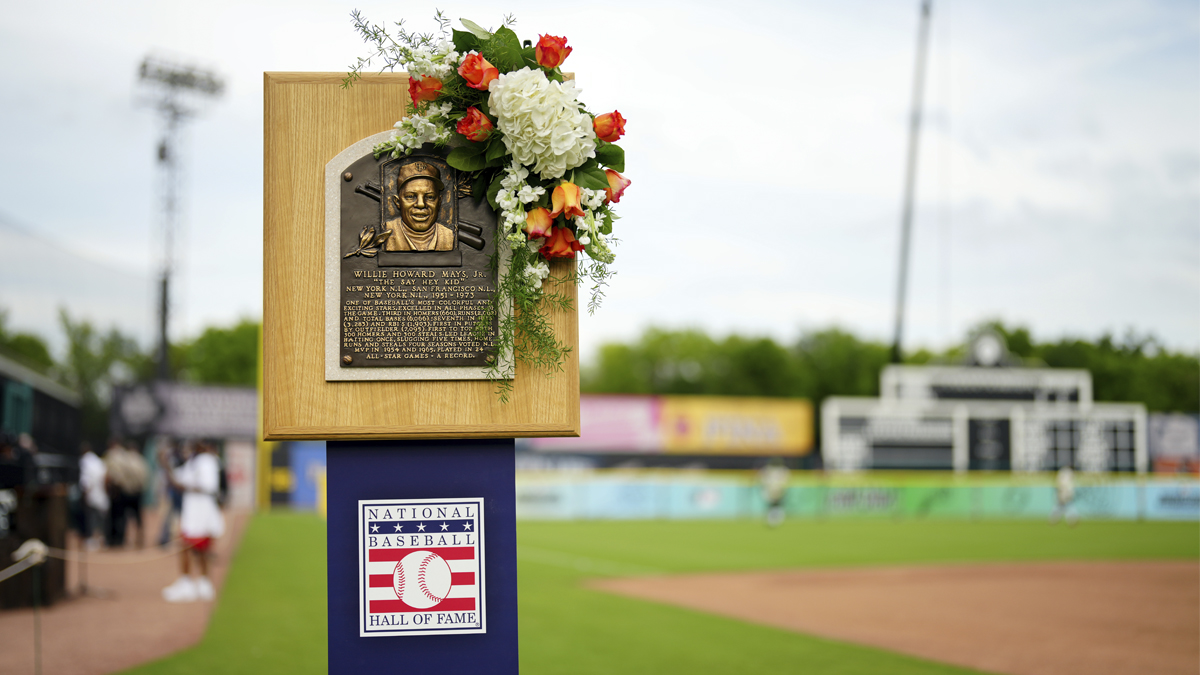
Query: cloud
[1059,184]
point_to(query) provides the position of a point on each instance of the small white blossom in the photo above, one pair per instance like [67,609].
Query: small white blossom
[514,177]
[529,194]
[535,272]
[598,250]
[593,199]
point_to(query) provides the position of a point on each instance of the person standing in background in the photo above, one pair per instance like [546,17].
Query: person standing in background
[127,474]
[175,455]
[774,480]
[1064,487]
[92,474]
[200,521]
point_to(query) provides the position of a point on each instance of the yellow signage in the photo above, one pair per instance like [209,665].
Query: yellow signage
[728,425]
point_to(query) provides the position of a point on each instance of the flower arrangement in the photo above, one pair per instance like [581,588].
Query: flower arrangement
[548,167]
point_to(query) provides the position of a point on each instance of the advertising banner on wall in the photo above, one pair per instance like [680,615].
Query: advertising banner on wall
[1174,441]
[611,424]
[723,425]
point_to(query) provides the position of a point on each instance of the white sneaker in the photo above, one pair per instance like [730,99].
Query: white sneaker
[183,590]
[204,589]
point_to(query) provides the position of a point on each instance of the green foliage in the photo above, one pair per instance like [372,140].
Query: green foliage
[271,614]
[393,51]
[822,363]
[612,156]
[833,362]
[25,348]
[223,355]
[503,50]
[468,157]
[526,332]
[94,363]
[590,176]
[1134,369]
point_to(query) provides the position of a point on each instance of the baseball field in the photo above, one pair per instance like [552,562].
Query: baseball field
[582,610]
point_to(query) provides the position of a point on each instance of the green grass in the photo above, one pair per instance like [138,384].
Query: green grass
[271,615]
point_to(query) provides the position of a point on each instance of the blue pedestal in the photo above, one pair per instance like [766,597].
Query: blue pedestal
[422,470]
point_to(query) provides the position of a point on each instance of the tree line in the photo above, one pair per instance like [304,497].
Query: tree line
[828,362]
[834,362]
[95,361]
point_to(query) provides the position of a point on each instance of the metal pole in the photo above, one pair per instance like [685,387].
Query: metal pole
[37,619]
[910,178]
[169,177]
[173,84]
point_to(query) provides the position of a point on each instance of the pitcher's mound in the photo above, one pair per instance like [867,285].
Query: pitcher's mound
[1023,619]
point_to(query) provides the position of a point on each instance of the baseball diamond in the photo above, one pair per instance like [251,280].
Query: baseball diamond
[567,626]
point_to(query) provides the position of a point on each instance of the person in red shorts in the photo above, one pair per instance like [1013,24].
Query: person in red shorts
[200,520]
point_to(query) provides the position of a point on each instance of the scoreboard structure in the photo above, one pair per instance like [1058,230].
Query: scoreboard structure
[988,414]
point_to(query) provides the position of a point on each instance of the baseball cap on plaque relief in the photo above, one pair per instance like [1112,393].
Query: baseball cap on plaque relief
[421,567]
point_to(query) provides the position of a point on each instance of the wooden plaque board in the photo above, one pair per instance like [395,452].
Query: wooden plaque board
[307,120]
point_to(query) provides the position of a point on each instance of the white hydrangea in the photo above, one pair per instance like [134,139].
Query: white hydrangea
[541,121]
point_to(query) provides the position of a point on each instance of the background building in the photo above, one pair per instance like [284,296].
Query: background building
[990,413]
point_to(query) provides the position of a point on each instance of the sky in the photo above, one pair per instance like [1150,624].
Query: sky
[1058,185]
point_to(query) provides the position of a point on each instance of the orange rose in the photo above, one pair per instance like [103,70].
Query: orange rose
[538,223]
[551,51]
[609,126]
[616,186]
[475,126]
[477,71]
[424,88]
[565,200]
[560,244]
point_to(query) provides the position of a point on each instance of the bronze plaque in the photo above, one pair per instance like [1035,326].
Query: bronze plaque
[414,269]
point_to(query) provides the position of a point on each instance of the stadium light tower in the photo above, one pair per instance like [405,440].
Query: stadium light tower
[177,91]
[910,177]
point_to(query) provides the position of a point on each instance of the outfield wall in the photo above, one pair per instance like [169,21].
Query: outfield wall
[627,495]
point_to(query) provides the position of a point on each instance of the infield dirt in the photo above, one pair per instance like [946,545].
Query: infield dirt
[1023,619]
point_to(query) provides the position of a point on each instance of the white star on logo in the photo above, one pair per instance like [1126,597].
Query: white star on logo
[421,527]
[445,527]
[466,526]
[399,527]
[374,528]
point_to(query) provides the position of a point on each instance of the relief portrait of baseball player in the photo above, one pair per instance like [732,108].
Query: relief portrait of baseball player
[416,201]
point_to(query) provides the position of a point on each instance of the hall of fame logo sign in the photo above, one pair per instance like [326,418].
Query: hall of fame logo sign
[420,567]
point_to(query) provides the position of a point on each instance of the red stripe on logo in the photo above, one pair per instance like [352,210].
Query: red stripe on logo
[447,553]
[456,579]
[447,605]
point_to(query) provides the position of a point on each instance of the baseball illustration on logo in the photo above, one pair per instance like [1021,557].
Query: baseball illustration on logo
[421,567]
[422,579]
